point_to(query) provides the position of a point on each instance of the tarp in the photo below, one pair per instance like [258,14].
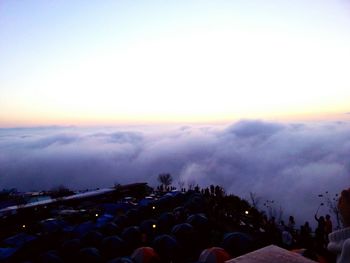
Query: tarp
[271,254]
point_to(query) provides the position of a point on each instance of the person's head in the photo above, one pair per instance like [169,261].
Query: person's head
[321,218]
[344,206]
[328,217]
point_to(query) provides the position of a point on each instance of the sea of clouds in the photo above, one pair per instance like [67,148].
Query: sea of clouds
[288,163]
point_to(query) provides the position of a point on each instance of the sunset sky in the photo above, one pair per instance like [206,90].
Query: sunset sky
[110,62]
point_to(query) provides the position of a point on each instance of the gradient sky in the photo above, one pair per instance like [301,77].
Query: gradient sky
[91,62]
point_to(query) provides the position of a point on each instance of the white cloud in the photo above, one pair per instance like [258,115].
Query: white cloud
[289,163]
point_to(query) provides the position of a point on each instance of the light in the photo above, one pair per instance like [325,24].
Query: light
[23,226]
[154,226]
[246,212]
[153,207]
[96,215]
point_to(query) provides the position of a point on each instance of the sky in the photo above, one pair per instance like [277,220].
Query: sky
[254,94]
[133,62]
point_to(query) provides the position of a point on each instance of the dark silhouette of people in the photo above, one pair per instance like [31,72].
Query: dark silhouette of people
[320,232]
[328,227]
[291,224]
[305,235]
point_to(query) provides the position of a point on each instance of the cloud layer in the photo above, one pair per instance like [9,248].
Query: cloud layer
[288,163]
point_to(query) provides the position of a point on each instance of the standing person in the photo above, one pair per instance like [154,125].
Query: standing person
[320,232]
[328,228]
[339,241]
[291,224]
[305,235]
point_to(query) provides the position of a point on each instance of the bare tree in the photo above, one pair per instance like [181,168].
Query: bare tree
[255,200]
[273,211]
[165,179]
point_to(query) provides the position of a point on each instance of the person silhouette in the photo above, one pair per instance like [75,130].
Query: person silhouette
[339,241]
[320,233]
[328,228]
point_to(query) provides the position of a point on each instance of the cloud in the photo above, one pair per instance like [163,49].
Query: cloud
[247,128]
[288,163]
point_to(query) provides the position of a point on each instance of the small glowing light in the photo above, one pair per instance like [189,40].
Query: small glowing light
[154,226]
[23,226]
[96,215]
[246,212]
[153,207]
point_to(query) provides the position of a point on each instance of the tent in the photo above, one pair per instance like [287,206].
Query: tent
[214,255]
[7,252]
[19,240]
[145,255]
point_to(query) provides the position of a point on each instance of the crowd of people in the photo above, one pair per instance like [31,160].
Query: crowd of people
[199,225]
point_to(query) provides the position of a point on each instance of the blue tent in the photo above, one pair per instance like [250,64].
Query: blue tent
[103,220]
[167,248]
[52,225]
[237,243]
[83,228]
[123,206]
[146,201]
[113,208]
[113,246]
[199,221]
[165,222]
[19,240]
[7,252]
[132,237]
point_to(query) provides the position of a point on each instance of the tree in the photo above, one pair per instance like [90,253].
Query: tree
[165,179]
[255,200]
[273,211]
